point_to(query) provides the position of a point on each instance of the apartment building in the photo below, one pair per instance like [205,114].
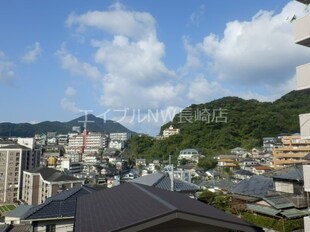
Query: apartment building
[42,182]
[302,37]
[292,151]
[14,159]
[93,143]
[120,136]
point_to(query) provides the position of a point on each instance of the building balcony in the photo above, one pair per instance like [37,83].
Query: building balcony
[303,75]
[289,155]
[302,31]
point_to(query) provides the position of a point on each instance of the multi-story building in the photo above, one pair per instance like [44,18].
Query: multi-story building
[14,159]
[91,143]
[120,136]
[292,151]
[42,182]
[116,144]
[302,37]
[170,131]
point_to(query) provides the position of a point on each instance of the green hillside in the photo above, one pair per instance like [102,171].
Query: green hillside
[248,121]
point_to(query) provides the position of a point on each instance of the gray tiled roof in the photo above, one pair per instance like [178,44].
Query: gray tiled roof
[163,181]
[51,174]
[60,205]
[293,172]
[130,204]
[15,146]
[256,186]
[19,211]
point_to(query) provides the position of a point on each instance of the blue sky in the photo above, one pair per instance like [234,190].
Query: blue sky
[131,60]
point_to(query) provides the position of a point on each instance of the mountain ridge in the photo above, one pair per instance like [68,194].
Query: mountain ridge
[8,129]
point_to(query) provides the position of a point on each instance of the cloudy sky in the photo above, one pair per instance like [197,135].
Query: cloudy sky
[139,62]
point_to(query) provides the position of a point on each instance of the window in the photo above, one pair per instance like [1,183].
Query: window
[50,228]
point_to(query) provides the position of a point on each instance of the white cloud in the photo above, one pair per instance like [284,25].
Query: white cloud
[33,53]
[201,90]
[7,73]
[70,92]
[75,67]
[117,21]
[257,52]
[136,76]
[69,105]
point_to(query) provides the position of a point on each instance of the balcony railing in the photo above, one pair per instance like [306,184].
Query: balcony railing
[302,30]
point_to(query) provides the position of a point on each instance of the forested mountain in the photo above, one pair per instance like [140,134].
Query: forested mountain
[28,130]
[229,122]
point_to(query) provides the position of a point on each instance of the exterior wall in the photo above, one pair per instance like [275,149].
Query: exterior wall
[284,187]
[119,136]
[307,224]
[306,172]
[304,120]
[61,225]
[12,163]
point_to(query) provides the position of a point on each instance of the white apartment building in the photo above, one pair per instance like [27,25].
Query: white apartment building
[170,131]
[93,143]
[120,136]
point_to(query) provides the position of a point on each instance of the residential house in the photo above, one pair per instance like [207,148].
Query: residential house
[170,131]
[154,210]
[56,213]
[15,216]
[243,174]
[191,155]
[239,151]
[164,181]
[42,182]
[261,169]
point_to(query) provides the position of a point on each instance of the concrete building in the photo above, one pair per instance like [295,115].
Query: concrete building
[94,142]
[302,37]
[120,136]
[117,144]
[292,151]
[170,131]
[42,182]
[14,159]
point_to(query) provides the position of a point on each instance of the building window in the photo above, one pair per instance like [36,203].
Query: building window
[51,228]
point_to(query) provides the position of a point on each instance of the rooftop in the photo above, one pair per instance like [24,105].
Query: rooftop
[136,207]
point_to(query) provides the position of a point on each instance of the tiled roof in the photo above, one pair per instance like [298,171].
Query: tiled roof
[163,181]
[278,201]
[129,205]
[51,174]
[60,205]
[256,186]
[15,146]
[293,172]
[19,211]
